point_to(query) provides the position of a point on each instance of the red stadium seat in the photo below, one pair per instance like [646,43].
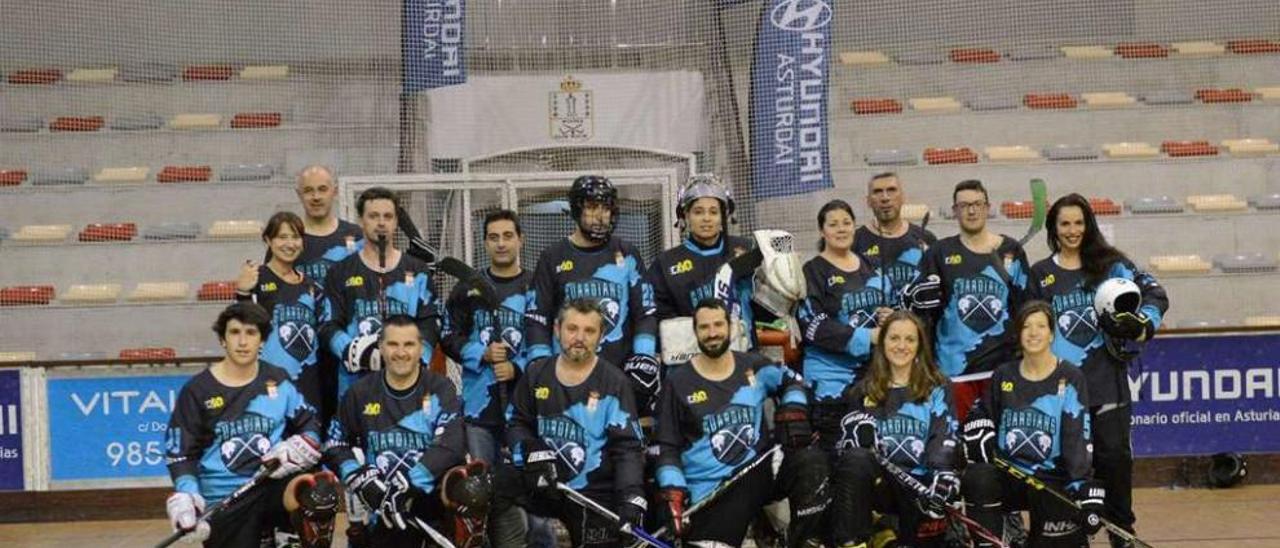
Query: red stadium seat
[12,177]
[109,232]
[1253,46]
[22,295]
[1142,51]
[1188,148]
[148,353]
[76,123]
[876,106]
[261,119]
[207,72]
[35,76]
[1104,206]
[184,174]
[974,55]
[959,155]
[1233,95]
[1049,100]
[216,291]
[1018,209]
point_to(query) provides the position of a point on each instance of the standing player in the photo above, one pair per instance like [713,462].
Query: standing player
[229,421]
[711,425]
[489,344]
[967,286]
[684,275]
[838,317]
[575,423]
[893,245]
[902,410]
[406,421]
[295,302]
[1082,260]
[1033,418]
[594,264]
[369,286]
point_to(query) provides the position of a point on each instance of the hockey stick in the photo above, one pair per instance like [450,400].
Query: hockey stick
[435,535]
[1038,485]
[1039,203]
[910,482]
[711,497]
[258,478]
[585,502]
[427,253]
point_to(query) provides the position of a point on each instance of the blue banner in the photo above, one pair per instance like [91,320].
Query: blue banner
[1204,395]
[431,44]
[11,472]
[789,153]
[110,427]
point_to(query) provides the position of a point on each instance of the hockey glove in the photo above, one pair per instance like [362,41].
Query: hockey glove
[979,435]
[541,474]
[184,515]
[923,295]
[468,489]
[643,370]
[675,497]
[394,509]
[367,485]
[1090,495]
[792,423]
[632,510]
[1133,326]
[944,490]
[297,453]
[859,430]
[363,354]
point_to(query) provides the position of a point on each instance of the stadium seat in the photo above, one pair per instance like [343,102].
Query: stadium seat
[135,174]
[1070,152]
[1243,263]
[1177,149]
[60,176]
[195,121]
[108,232]
[159,292]
[172,231]
[994,103]
[148,353]
[216,291]
[1108,99]
[1142,51]
[245,120]
[1086,52]
[1179,264]
[12,177]
[1048,100]
[974,55]
[1011,153]
[94,75]
[91,294]
[28,124]
[42,233]
[207,72]
[1232,95]
[149,73]
[1268,94]
[35,76]
[137,122]
[921,58]
[265,72]
[184,174]
[1250,147]
[1153,205]
[1253,46]
[246,172]
[1017,209]
[1033,53]
[1129,150]
[1104,206]
[876,106]
[1216,203]
[77,123]
[958,155]
[863,58]
[14,356]
[235,229]
[1199,49]
[1262,321]
[934,104]
[26,295]
[1265,201]
[1168,97]
[914,212]
[892,157]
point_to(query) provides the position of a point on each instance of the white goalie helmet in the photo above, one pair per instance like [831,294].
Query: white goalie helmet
[779,281]
[705,185]
[1117,295]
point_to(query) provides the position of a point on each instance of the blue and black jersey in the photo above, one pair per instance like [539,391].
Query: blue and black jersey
[981,292]
[917,435]
[319,253]
[592,428]
[684,275]
[469,328]
[612,275]
[706,430]
[897,258]
[297,313]
[1078,337]
[360,298]
[836,319]
[416,431]
[1042,426]
[218,434]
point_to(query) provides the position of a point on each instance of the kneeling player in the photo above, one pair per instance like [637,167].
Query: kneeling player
[901,410]
[711,427]
[406,420]
[230,421]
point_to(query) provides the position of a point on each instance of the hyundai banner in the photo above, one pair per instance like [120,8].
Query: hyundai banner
[431,43]
[11,472]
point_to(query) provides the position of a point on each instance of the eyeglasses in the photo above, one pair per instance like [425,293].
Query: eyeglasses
[970,206]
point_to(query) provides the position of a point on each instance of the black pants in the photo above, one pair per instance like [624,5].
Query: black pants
[586,528]
[990,493]
[1113,462]
[258,513]
[861,486]
[424,506]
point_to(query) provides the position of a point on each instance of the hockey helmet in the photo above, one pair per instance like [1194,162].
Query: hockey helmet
[593,188]
[1227,470]
[1116,295]
[705,185]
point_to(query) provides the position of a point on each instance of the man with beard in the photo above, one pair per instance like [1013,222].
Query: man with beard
[892,244]
[711,425]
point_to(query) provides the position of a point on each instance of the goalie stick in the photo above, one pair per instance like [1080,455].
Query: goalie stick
[595,507]
[1038,485]
[214,509]
[733,270]
[915,485]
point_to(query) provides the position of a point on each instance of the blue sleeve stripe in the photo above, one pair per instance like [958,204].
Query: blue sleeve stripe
[671,476]
[860,343]
[187,483]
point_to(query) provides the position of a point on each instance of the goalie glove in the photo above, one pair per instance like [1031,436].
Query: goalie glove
[924,294]
[297,453]
[645,374]
[363,354]
[394,509]
[1089,496]
[184,511]
[779,281]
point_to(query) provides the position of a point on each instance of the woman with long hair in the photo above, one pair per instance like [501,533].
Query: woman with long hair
[1101,344]
[901,408]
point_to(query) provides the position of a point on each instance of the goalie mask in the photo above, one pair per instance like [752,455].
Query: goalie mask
[706,185]
[1116,295]
[594,188]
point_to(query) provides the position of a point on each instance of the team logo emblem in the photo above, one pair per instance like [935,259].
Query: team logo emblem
[243,454]
[369,326]
[611,310]
[908,450]
[298,339]
[1029,445]
[389,462]
[731,444]
[1080,326]
[980,312]
[571,112]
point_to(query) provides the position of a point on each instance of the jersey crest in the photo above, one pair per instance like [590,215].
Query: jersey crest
[732,433]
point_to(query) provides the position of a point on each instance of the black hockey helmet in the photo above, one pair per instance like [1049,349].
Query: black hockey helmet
[1227,470]
[594,188]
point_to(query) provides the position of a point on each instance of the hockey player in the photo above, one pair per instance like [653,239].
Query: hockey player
[229,421]
[838,318]
[489,344]
[684,275]
[893,245]
[369,286]
[711,425]
[295,302]
[967,286]
[592,263]
[1069,280]
[406,421]
[574,422]
[326,239]
[1033,418]
[900,409]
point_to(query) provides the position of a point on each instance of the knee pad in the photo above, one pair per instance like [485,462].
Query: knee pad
[803,479]
[856,462]
[317,496]
[981,485]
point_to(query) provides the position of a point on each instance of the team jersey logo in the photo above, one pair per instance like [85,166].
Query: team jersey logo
[244,442]
[215,402]
[391,461]
[295,330]
[1027,434]
[697,396]
[1047,281]
[981,303]
[835,280]
[372,409]
[355,281]
[566,266]
[682,267]
[873,250]
[901,440]
[732,433]
[954,259]
[567,439]
[542,392]
[1079,326]
[267,287]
